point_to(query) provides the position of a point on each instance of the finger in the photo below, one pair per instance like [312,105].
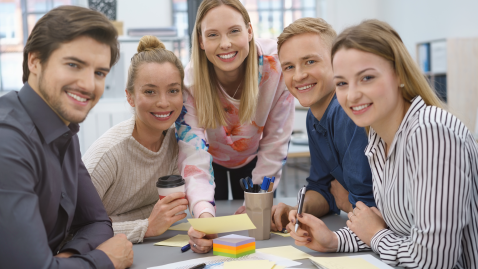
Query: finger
[350,215]
[350,225]
[121,236]
[273,226]
[376,211]
[178,217]
[195,234]
[173,211]
[292,216]
[173,196]
[360,205]
[278,220]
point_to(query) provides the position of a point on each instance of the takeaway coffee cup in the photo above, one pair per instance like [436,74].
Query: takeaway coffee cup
[259,210]
[170,184]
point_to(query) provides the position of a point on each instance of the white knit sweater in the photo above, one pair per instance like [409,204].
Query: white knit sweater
[124,173]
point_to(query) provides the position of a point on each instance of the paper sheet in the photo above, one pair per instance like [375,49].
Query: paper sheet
[278,267]
[179,240]
[366,261]
[288,252]
[217,262]
[257,264]
[281,234]
[225,224]
[181,227]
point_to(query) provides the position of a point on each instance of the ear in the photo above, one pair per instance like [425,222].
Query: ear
[129,98]
[201,44]
[34,64]
[250,32]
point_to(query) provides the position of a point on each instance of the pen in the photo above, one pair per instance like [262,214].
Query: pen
[271,186]
[186,248]
[199,266]
[300,197]
[265,184]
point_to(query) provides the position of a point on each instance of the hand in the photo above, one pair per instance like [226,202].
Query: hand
[199,241]
[341,196]
[365,222]
[280,216]
[240,210]
[164,213]
[312,233]
[65,254]
[119,250]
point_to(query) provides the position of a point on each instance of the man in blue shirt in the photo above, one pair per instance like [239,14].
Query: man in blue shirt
[340,174]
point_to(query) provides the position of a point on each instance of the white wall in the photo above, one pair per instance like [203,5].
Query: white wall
[144,13]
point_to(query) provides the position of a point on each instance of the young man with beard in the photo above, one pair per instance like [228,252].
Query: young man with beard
[340,174]
[51,214]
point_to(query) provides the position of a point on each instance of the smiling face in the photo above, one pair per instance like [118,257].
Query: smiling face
[307,71]
[225,38]
[368,89]
[157,99]
[73,79]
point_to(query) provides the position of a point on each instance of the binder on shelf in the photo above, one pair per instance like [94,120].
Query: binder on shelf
[162,31]
[424,57]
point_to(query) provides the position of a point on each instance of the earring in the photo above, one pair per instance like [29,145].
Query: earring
[402,85]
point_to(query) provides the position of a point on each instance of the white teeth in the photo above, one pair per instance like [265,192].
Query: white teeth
[305,87]
[227,56]
[161,116]
[357,108]
[76,97]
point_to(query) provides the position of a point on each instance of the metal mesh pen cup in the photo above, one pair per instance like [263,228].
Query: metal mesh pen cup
[259,210]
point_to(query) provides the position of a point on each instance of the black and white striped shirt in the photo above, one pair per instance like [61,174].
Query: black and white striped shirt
[427,191]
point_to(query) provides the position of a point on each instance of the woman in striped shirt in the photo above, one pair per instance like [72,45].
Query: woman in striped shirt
[424,161]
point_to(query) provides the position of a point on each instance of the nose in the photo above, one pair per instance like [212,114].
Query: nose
[299,75]
[87,81]
[354,94]
[225,42]
[162,101]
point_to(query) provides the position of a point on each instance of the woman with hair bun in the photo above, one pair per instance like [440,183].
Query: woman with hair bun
[127,160]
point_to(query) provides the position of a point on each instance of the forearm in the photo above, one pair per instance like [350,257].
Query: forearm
[315,204]
[135,230]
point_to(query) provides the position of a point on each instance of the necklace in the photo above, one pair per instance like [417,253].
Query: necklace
[236,90]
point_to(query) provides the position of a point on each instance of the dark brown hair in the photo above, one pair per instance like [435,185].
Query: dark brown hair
[63,24]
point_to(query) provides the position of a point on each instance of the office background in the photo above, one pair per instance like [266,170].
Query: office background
[442,35]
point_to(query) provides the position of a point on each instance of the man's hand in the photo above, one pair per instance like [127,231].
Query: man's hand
[119,250]
[312,233]
[164,213]
[280,216]
[65,254]
[341,196]
[365,222]
[199,241]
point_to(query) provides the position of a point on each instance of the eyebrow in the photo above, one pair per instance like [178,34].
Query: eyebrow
[155,86]
[72,58]
[358,74]
[308,56]
[237,25]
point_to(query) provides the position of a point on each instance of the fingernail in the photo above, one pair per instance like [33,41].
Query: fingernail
[309,239]
[306,234]
[300,215]
[293,221]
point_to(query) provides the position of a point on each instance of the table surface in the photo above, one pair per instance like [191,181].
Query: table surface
[147,255]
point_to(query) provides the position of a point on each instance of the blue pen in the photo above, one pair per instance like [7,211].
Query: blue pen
[186,248]
[265,184]
[249,181]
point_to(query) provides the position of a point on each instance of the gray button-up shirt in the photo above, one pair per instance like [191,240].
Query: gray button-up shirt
[46,192]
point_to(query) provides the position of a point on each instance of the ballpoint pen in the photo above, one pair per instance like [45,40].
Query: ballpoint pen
[271,185]
[300,197]
[265,184]
[244,185]
[199,266]
[186,248]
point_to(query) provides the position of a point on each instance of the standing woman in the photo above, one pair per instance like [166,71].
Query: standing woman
[126,161]
[424,160]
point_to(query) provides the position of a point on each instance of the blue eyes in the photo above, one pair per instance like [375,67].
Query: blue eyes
[310,62]
[367,78]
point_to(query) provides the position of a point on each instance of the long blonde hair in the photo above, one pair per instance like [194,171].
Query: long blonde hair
[208,105]
[381,39]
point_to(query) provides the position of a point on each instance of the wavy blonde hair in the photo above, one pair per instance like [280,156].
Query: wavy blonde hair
[209,109]
[381,39]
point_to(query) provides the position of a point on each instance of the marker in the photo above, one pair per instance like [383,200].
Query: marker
[284,231]
[271,186]
[300,197]
[199,266]
[265,184]
[185,248]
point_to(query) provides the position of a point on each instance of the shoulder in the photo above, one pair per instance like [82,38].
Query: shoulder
[338,119]
[14,116]
[266,46]
[108,142]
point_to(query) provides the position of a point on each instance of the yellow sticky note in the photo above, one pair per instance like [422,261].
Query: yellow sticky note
[278,267]
[179,240]
[181,227]
[288,252]
[259,264]
[281,234]
[343,262]
[225,224]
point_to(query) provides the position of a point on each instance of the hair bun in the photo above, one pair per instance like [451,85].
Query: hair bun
[149,42]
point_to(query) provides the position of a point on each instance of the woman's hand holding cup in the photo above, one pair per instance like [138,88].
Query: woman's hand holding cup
[166,212]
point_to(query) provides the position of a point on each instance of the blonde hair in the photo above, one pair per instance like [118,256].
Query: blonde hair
[151,50]
[308,25]
[381,39]
[209,108]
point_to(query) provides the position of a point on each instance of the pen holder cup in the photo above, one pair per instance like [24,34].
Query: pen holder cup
[259,210]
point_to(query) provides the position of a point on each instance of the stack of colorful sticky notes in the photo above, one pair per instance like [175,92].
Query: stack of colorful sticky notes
[234,246]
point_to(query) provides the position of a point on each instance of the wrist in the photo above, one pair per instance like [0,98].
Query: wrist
[206,215]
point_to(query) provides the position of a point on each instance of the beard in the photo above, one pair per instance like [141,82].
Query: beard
[61,109]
